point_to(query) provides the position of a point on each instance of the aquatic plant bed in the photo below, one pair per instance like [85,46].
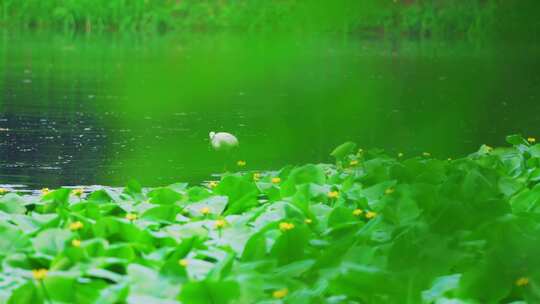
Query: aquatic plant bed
[371,228]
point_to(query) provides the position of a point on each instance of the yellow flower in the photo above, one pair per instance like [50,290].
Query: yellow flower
[256,176]
[76,243]
[39,274]
[183,262]
[284,226]
[353,163]
[220,224]
[45,191]
[333,194]
[241,163]
[131,216]
[426,154]
[389,191]
[3,191]
[212,184]
[523,281]
[76,226]
[205,210]
[280,294]
[371,214]
[400,154]
[531,140]
[357,212]
[78,192]
[308,221]
[276,180]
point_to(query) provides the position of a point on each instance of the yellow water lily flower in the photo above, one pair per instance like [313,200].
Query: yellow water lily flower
[531,140]
[371,214]
[131,216]
[353,163]
[241,163]
[78,192]
[333,194]
[276,180]
[357,212]
[45,191]
[284,226]
[39,274]
[76,243]
[389,191]
[212,184]
[523,281]
[220,224]
[3,191]
[205,210]
[280,294]
[256,176]
[77,225]
[183,262]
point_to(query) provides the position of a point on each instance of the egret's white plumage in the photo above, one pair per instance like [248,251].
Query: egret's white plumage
[223,141]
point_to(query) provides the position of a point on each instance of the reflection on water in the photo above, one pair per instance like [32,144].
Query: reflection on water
[103,110]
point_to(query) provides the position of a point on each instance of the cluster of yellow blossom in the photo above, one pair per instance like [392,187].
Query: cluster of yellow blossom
[131,216]
[333,194]
[284,226]
[357,212]
[280,294]
[183,262]
[371,214]
[389,191]
[368,214]
[523,281]
[76,226]
[205,210]
[78,192]
[220,224]
[39,274]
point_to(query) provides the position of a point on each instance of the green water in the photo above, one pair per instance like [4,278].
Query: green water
[88,110]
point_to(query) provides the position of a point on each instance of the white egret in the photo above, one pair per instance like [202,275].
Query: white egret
[223,141]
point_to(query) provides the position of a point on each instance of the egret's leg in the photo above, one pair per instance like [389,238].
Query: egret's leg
[227,160]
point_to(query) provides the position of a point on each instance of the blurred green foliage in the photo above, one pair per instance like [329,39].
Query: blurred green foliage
[370,228]
[441,18]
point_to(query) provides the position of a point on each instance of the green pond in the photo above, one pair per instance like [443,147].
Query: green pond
[104,109]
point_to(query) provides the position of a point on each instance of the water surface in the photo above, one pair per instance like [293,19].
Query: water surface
[82,110]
